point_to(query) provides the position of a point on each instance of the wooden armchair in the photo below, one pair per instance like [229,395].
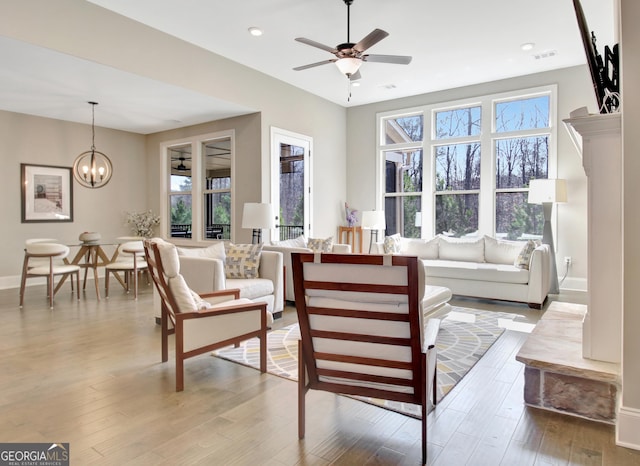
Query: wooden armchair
[362,330]
[201,323]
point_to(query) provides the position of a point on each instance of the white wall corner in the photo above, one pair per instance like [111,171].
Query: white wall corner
[628,428]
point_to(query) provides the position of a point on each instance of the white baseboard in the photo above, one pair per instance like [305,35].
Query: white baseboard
[574,284]
[628,428]
[13,281]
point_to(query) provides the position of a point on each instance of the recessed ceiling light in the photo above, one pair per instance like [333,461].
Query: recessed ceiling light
[527,46]
[254,31]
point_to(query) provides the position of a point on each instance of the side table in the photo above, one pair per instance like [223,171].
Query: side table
[351,233]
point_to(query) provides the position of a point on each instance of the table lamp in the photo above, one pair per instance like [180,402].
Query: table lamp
[257,216]
[373,220]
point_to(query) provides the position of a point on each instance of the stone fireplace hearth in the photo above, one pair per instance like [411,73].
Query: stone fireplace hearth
[558,377]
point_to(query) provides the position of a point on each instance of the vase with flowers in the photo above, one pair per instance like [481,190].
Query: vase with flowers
[142,223]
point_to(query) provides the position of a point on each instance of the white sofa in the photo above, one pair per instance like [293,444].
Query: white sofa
[482,267]
[298,245]
[204,270]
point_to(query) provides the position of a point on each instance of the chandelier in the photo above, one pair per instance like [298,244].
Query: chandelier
[92,169]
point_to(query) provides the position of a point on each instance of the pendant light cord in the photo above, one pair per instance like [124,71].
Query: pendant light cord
[93,125]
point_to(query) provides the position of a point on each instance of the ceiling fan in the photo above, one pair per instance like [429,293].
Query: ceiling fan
[181,166]
[349,56]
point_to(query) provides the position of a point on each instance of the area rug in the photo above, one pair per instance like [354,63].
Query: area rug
[465,335]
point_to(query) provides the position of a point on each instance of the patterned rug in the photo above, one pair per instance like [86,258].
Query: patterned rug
[465,335]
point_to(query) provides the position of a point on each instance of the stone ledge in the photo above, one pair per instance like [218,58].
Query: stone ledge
[557,377]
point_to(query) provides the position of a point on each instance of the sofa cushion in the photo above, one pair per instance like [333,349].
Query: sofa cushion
[501,273]
[242,260]
[424,249]
[500,251]
[392,244]
[251,288]
[215,251]
[320,245]
[461,249]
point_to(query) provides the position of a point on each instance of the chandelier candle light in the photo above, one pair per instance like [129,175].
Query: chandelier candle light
[92,169]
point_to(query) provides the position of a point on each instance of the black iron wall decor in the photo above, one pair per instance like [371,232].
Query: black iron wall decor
[604,71]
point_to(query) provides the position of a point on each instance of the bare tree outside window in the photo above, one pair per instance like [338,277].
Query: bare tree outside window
[457,173]
[518,161]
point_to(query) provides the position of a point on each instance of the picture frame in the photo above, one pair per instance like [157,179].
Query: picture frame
[46,193]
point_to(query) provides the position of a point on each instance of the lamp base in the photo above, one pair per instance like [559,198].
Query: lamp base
[547,238]
[256,237]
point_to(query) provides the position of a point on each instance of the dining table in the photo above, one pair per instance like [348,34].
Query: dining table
[91,255]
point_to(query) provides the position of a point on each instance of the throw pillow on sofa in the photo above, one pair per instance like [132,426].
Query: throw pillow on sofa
[424,249]
[391,244]
[523,259]
[461,249]
[242,260]
[320,245]
[502,251]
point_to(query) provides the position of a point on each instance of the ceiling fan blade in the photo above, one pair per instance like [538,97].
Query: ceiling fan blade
[355,76]
[313,43]
[373,38]
[395,59]
[312,65]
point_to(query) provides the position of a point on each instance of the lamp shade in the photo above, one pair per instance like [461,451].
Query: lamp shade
[348,65]
[543,191]
[258,215]
[373,220]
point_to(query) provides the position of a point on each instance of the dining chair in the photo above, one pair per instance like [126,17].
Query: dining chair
[45,259]
[201,323]
[362,331]
[130,261]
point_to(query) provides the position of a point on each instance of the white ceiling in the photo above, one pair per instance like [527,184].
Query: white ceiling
[453,43]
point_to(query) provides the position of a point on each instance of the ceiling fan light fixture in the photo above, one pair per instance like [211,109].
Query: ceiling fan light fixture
[348,65]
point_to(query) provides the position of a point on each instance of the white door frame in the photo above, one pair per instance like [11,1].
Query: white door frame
[278,136]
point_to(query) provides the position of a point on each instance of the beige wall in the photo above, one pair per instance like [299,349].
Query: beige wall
[574,90]
[43,141]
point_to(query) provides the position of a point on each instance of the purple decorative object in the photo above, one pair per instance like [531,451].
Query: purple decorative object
[352,219]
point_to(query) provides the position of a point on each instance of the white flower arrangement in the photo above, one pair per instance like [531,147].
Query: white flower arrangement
[142,223]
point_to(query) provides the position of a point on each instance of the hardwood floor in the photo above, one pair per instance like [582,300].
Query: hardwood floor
[89,373]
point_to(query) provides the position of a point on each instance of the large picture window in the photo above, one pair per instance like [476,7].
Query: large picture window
[463,168]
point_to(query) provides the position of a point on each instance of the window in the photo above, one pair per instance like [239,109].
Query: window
[521,138]
[199,176]
[457,170]
[180,191]
[463,168]
[403,175]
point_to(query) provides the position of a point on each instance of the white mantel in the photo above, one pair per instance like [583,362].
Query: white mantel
[602,162]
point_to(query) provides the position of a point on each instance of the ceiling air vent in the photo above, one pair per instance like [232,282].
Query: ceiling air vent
[545,54]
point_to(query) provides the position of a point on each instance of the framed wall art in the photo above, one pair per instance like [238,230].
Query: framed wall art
[47,193]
